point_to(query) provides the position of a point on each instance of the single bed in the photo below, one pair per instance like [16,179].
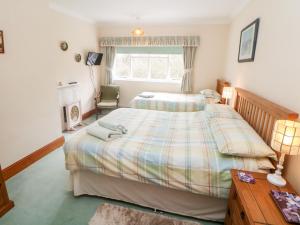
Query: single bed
[168,160]
[177,102]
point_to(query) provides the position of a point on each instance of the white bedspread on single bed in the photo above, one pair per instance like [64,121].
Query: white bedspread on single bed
[172,102]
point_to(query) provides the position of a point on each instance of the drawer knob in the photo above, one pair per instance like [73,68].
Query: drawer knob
[242,214]
[228,212]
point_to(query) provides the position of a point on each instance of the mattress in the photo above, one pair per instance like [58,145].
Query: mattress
[148,195]
[171,149]
[172,102]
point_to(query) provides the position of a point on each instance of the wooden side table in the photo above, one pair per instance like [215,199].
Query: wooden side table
[252,204]
[5,203]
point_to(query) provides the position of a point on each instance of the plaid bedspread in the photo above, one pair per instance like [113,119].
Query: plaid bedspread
[172,102]
[175,150]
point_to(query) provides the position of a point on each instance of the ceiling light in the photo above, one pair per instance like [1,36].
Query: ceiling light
[138,32]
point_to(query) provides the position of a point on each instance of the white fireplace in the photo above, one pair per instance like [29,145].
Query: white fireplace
[70,106]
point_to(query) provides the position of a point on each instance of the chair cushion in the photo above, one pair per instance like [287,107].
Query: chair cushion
[109,92]
[107,104]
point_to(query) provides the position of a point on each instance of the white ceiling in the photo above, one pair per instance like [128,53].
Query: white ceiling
[118,12]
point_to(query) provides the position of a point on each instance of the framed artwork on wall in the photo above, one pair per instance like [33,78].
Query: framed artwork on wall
[248,41]
[1,42]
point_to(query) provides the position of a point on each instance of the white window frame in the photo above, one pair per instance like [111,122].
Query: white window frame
[168,78]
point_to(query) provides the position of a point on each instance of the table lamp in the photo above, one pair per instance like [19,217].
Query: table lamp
[286,140]
[227,93]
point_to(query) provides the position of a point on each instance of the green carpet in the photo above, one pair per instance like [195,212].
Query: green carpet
[41,196]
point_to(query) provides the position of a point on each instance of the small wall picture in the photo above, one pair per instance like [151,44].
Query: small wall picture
[64,46]
[248,42]
[1,42]
[77,57]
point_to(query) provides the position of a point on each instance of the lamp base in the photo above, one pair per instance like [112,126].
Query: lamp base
[276,179]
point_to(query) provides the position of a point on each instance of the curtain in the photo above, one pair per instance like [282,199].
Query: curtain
[150,41]
[110,53]
[188,62]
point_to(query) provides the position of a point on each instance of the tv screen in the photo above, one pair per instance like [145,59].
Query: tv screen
[94,58]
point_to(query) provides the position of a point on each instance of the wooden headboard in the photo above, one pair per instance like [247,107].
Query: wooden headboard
[220,85]
[261,113]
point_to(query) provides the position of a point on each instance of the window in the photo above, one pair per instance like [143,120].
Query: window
[148,63]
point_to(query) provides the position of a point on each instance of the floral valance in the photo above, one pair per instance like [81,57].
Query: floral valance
[150,41]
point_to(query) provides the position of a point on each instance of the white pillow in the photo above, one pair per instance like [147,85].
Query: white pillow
[212,100]
[208,93]
[264,164]
[237,137]
[221,111]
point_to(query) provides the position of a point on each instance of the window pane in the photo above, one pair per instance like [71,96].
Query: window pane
[176,67]
[122,66]
[140,66]
[159,67]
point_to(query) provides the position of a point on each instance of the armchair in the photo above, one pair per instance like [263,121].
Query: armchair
[108,98]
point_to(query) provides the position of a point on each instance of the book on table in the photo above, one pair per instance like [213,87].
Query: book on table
[289,205]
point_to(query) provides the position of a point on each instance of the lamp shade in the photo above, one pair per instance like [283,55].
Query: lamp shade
[286,137]
[227,92]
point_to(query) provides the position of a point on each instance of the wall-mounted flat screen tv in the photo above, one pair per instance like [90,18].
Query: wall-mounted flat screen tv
[94,59]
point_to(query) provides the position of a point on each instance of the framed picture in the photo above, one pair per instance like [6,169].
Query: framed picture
[248,42]
[1,42]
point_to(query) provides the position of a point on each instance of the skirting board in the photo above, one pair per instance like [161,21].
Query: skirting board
[23,163]
[88,114]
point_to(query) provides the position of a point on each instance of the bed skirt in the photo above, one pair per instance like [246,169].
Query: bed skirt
[148,195]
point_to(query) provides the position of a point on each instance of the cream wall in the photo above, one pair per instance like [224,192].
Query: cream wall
[209,61]
[275,73]
[30,69]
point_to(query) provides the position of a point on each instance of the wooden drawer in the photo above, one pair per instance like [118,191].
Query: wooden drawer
[239,217]
[228,218]
[231,202]
[235,212]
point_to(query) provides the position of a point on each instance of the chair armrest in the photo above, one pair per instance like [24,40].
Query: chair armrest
[97,99]
[118,96]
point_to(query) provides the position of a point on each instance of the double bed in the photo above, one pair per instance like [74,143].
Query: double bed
[177,102]
[169,160]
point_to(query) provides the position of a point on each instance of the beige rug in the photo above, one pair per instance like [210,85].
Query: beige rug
[108,214]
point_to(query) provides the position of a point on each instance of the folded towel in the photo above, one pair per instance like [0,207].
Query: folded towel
[103,133]
[113,126]
[146,95]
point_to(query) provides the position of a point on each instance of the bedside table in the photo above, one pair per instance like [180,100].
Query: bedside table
[252,204]
[5,203]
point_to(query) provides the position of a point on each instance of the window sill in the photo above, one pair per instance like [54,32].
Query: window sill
[149,81]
